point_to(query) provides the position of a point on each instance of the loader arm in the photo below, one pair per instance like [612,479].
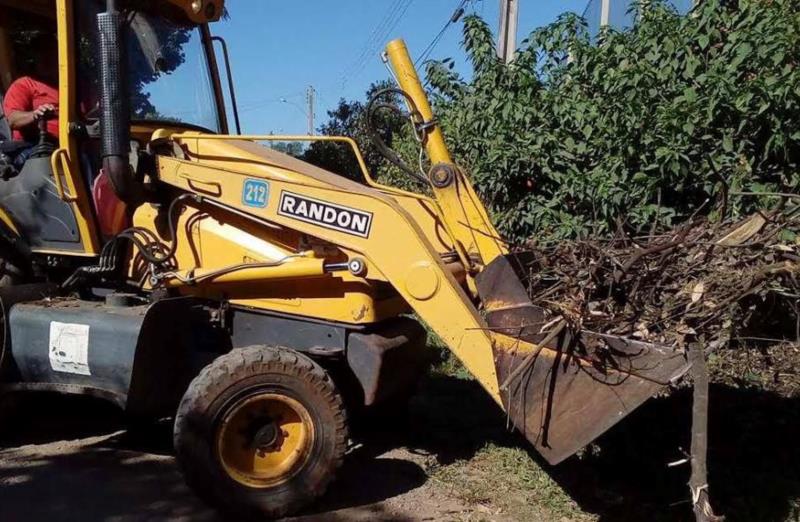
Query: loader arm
[561,388]
[394,247]
[462,210]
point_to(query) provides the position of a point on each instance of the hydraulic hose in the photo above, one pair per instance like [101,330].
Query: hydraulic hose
[384,150]
[145,248]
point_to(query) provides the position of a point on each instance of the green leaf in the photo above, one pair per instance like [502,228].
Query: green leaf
[727,143]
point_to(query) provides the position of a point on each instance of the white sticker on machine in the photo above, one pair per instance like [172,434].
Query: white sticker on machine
[69,347]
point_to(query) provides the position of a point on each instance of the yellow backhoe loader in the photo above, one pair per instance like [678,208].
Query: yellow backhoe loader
[156,258]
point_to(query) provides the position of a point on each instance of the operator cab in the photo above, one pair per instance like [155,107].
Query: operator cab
[29,75]
[28,82]
[172,83]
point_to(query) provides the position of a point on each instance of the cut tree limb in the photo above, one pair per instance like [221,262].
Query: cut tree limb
[698,482]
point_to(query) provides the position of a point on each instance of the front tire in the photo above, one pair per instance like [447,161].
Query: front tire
[260,432]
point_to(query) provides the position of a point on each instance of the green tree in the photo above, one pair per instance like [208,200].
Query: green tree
[349,119]
[292,148]
[647,125]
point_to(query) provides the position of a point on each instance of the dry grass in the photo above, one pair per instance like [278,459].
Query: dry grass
[509,483]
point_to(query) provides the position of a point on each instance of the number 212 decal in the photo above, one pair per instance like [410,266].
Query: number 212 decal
[255,193]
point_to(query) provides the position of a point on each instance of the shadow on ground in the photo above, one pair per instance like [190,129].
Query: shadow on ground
[84,467]
[754,457]
[112,474]
[70,458]
[754,460]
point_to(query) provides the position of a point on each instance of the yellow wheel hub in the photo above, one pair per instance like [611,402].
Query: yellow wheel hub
[264,440]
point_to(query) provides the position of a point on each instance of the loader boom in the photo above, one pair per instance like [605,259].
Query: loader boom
[560,394]
[461,207]
[394,247]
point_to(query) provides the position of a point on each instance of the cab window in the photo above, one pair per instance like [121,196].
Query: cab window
[168,70]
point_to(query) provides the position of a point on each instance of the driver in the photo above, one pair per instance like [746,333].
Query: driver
[32,98]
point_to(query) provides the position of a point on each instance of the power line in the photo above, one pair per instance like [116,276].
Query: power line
[380,36]
[393,25]
[369,43]
[374,34]
[455,17]
[324,99]
[371,47]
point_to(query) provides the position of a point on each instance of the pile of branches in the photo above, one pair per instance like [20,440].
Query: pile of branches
[714,288]
[731,284]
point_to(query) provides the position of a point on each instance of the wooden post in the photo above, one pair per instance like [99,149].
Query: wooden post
[698,482]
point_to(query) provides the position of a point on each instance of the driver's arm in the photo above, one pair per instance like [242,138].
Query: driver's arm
[19,108]
[18,119]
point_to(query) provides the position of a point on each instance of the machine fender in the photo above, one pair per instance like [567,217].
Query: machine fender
[67,389]
[139,355]
[175,342]
[388,360]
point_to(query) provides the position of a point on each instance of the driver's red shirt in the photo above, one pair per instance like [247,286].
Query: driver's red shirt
[27,94]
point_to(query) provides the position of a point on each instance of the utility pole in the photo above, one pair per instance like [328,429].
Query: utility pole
[507,35]
[605,12]
[310,100]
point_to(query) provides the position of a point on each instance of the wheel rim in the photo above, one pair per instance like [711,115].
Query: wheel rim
[264,440]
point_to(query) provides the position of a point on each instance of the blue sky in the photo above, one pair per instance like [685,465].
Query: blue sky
[279,48]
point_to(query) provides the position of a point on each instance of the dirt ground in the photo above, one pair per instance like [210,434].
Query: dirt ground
[77,463]
[109,475]
[99,478]
[452,459]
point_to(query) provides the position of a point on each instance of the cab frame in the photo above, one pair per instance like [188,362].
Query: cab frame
[69,179]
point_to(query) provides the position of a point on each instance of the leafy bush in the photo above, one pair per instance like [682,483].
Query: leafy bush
[643,127]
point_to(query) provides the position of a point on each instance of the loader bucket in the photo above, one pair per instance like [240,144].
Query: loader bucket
[561,388]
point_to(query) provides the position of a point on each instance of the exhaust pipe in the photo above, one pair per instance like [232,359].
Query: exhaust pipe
[114,105]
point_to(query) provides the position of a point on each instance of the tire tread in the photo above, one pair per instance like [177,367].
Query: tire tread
[242,363]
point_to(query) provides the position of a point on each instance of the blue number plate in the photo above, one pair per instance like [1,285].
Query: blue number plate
[255,193]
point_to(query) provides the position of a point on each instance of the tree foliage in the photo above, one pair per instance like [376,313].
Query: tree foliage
[147,65]
[648,125]
[292,148]
[349,119]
